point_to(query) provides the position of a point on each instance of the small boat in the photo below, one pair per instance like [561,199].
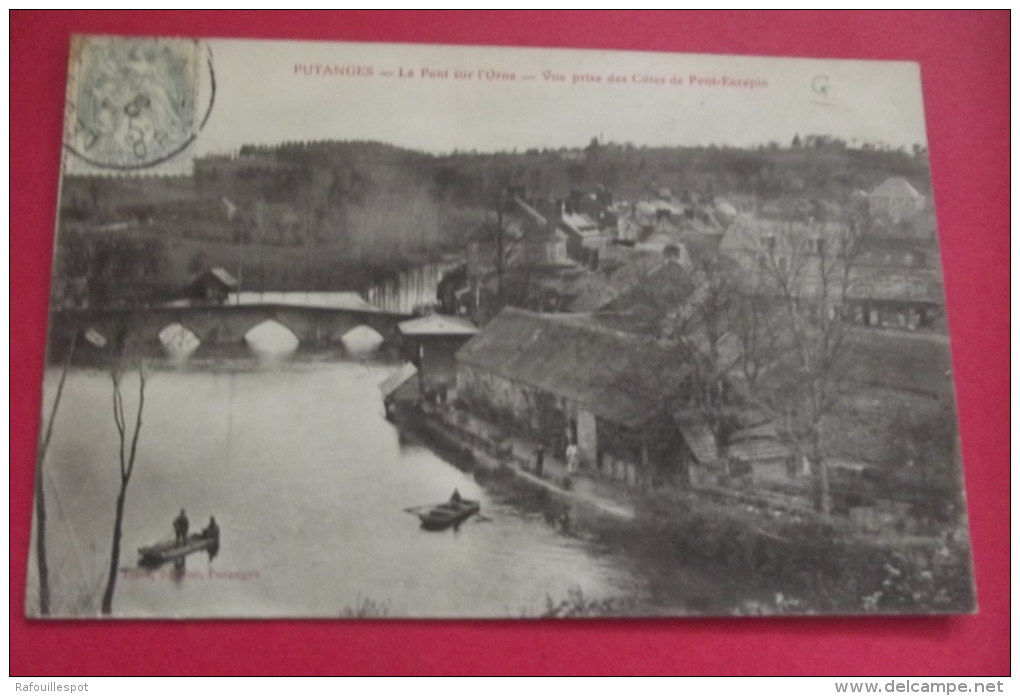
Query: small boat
[171,551]
[449,514]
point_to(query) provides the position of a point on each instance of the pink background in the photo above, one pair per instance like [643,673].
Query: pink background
[964,61]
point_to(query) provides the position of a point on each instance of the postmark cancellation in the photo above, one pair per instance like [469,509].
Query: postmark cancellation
[133,105]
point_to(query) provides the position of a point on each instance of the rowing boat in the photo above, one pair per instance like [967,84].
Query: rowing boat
[170,550]
[448,514]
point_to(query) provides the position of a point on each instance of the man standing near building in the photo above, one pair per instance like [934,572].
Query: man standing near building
[572,458]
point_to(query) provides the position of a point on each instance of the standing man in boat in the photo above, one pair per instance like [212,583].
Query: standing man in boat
[181,528]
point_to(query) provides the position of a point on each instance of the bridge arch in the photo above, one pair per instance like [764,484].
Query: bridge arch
[362,340]
[271,336]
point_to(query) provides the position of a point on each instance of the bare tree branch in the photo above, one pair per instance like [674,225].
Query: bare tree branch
[138,420]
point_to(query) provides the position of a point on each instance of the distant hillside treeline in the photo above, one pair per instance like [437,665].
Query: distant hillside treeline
[826,169]
[336,207]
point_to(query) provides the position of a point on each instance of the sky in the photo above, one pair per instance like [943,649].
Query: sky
[462,98]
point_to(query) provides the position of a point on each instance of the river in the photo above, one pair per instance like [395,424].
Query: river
[308,482]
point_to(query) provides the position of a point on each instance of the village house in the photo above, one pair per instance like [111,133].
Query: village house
[560,378]
[212,285]
[522,258]
[544,244]
[429,343]
[897,282]
[627,271]
[584,236]
[521,239]
[896,199]
[753,452]
[893,273]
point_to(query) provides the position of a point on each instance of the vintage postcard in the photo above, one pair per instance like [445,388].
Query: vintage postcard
[359,330]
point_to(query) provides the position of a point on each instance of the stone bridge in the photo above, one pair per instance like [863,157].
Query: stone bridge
[313,319]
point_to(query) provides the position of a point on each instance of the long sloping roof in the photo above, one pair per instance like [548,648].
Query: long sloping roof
[598,291]
[536,217]
[623,378]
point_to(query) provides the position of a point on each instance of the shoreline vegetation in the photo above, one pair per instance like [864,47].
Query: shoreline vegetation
[796,563]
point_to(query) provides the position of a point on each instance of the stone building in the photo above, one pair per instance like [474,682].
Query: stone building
[430,343]
[212,285]
[560,378]
[890,276]
[896,199]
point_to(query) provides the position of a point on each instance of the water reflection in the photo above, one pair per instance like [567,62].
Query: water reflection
[362,341]
[410,289]
[309,483]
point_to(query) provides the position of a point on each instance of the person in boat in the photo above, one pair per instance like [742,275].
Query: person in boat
[212,530]
[181,528]
[455,498]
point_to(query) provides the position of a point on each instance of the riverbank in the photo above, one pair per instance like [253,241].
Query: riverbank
[473,444]
[789,558]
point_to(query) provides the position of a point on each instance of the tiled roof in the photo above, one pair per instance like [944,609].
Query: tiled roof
[623,378]
[699,438]
[223,276]
[582,224]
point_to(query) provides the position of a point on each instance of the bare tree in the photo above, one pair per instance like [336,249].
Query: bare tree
[503,251]
[756,324]
[127,464]
[778,325]
[697,310]
[810,270]
[40,488]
